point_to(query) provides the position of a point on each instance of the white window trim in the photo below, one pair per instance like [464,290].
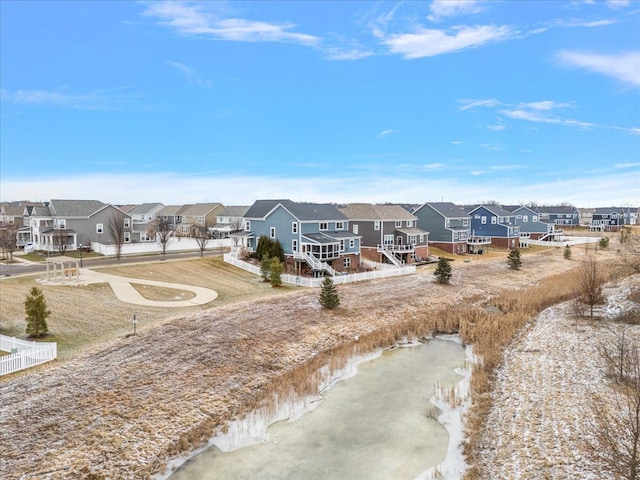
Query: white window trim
[294,227]
[99,228]
[376,225]
[483,220]
[323,226]
[272,232]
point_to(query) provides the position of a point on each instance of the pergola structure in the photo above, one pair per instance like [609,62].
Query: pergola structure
[63,268]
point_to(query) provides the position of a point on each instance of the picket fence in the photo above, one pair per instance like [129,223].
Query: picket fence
[24,354]
[317,282]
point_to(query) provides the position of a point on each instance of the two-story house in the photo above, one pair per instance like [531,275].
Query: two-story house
[496,223]
[563,215]
[228,221]
[198,216]
[315,237]
[607,219]
[143,217]
[531,227]
[388,233]
[172,215]
[449,226]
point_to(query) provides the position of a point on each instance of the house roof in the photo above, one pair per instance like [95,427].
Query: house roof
[369,211]
[448,209]
[301,211]
[75,208]
[173,209]
[145,208]
[412,231]
[127,208]
[234,211]
[200,209]
[39,211]
[556,209]
[496,210]
[605,210]
[320,238]
[12,210]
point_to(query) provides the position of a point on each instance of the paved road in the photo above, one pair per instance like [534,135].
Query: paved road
[31,268]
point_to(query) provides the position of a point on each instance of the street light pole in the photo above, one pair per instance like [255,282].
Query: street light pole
[80,255]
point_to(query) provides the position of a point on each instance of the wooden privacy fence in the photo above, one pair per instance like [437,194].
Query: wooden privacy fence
[24,354]
[317,282]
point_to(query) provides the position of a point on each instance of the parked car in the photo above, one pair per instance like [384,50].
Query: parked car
[29,247]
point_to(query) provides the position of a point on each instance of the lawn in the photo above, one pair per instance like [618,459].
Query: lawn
[85,316]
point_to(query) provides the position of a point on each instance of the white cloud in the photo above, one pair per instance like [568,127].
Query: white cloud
[624,67]
[491,146]
[626,165]
[426,42]
[385,133]
[545,105]
[190,74]
[95,100]
[339,53]
[448,8]
[618,4]
[496,128]
[189,19]
[468,104]
[456,142]
[577,22]
[529,115]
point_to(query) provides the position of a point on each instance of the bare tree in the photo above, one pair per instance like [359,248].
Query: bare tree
[201,234]
[616,424]
[630,253]
[162,230]
[115,227]
[60,240]
[591,281]
[8,240]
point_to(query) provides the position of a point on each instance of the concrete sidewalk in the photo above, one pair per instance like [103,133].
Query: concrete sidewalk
[126,292]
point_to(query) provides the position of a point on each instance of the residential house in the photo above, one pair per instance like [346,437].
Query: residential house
[11,215]
[564,215]
[607,219]
[531,227]
[172,214]
[388,233]
[496,223]
[67,224]
[198,215]
[586,215]
[449,226]
[143,218]
[229,220]
[315,237]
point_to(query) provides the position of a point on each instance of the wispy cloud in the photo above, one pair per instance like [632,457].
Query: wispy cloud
[626,165]
[386,133]
[441,9]
[495,147]
[496,128]
[456,142]
[93,100]
[425,42]
[190,74]
[190,19]
[618,4]
[581,23]
[624,67]
[469,104]
[341,53]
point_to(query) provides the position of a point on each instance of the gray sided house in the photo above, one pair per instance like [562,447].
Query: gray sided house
[449,226]
[610,219]
[315,237]
[389,233]
[68,224]
[198,216]
[496,223]
[564,215]
[531,226]
[172,214]
[228,221]
[143,218]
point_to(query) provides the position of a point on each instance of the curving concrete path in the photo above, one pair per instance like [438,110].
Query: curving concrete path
[126,292]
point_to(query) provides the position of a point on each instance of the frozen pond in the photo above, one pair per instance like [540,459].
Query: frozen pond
[374,425]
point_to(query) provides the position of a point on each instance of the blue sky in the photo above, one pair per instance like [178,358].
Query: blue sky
[327,101]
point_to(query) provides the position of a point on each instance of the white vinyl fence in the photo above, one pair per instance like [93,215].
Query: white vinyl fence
[317,282]
[24,354]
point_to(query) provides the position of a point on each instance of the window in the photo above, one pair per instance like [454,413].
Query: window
[525,218]
[376,225]
[324,226]
[483,220]
[534,218]
[494,220]
[294,227]
[352,243]
[294,245]
[398,223]
[62,223]
[421,238]
[127,223]
[447,223]
[455,235]
[346,262]
[127,237]
[388,239]
[355,228]
[272,232]
[247,226]
[339,225]
[185,229]
[412,239]
[465,222]
[200,219]
[409,223]
[342,245]
[99,228]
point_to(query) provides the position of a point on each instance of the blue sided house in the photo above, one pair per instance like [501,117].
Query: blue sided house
[496,223]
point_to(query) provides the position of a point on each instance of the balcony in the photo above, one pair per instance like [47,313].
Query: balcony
[397,248]
[479,240]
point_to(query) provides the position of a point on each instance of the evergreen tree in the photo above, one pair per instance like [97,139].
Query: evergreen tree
[276,269]
[567,252]
[265,268]
[329,294]
[276,250]
[514,259]
[604,242]
[35,307]
[263,247]
[443,271]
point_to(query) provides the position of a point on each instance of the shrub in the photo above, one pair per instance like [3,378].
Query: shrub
[604,242]
[265,268]
[37,312]
[329,294]
[514,260]
[275,270]
[567,252]
[443,271]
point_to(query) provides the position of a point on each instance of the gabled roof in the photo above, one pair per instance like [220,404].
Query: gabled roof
[304,212]
[369,211]
[75,208]
[127,208]
[38,211]
[234,211]
[200,209]
[516,208]
[12,210]
[173,209]
[448,209]
[145,208]
[496,210]
[609,210]
[556,209]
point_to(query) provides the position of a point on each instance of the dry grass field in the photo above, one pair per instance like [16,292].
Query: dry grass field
[124,406]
